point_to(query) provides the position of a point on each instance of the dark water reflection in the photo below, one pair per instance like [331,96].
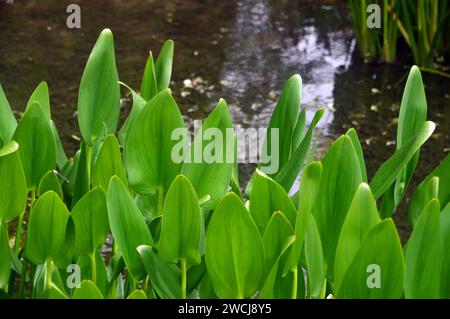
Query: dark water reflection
[241,50]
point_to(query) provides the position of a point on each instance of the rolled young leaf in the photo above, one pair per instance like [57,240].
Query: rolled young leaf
[81,178]
[359,152]
[61,157]
[149,87]
[288,174]
[99,93]
[413,113]
[181,225]
[234,251]
[127,226]
[163,65]
[284,118]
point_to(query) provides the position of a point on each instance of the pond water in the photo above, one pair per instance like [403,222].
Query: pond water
[241,50]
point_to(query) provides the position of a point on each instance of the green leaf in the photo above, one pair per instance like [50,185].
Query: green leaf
[85,263]
[289,171]
[390,169]
[309,184]
[445,240]
[13,189]
[137,294]
[212,178]
[359,152]
[54,292]
[90,217]
[378,267]
[40,279]
[309,187]
[69,171]
[41,96]
[8,122]
[277,232]
[413,108]
[99,93]
[165,277]
[149,144]
[284,118]
[163,65]
[37,146]
[47,228]
[314,258]
[341,176]
[61,157]
[424,255]
[5,265]
[149,87]
[206,288]
[108,163]
[234,252]
[81,178]
[127,225]
[427,188]
[87,290]
[299,131]
[413,113]
[50,182]
[181,224]
[267,197]
[138,105]
[277,286]
[362,216]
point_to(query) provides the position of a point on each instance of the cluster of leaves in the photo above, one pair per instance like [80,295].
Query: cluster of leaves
[423,25]
[183,230]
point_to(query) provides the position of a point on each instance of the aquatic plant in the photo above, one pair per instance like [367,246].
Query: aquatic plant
[186,230]
[422,24]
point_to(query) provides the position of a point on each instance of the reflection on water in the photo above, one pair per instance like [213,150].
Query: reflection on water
[241,50]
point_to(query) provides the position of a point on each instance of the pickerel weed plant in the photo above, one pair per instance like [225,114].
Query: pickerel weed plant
[185,230]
